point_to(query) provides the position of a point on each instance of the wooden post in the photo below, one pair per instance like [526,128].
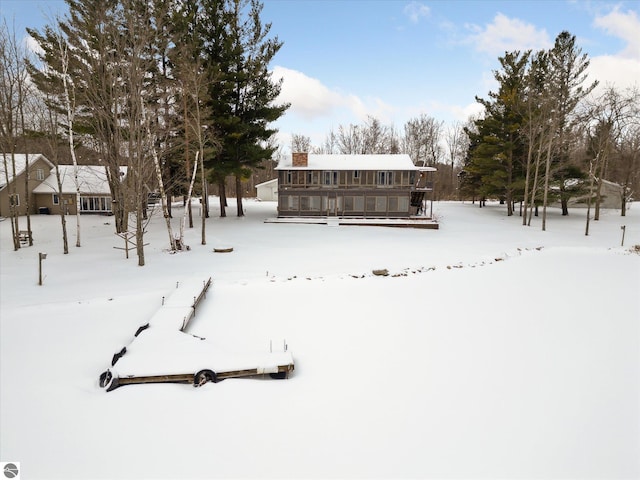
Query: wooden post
[623,228]
[41,256]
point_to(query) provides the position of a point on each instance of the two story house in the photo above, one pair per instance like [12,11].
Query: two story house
[362,186]
[32,181]
[22,174]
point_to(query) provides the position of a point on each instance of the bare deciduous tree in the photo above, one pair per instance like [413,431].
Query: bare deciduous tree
[13,96]
[422,137]
[300,143]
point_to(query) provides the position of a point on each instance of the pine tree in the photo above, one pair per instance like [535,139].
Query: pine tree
[568,68]
[498,154]
[241,101]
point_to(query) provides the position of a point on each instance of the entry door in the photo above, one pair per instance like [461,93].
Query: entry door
[334,205]
[331,208]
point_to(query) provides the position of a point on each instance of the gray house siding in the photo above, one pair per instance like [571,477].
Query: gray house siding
[346,193]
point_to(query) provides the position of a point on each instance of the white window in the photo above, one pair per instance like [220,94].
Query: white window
[39,174]
[14,199]
[95,204]
[56,199]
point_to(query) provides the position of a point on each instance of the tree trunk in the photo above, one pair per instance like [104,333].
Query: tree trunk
[187,206]
[534,188]
[63,216]
[204,212]
[547,174]
[602,172]
[156,164]
[586,229]
[239,196]
[223,197]
[13,208]
[564,203]
[70,118]
[139,235]
[27,202]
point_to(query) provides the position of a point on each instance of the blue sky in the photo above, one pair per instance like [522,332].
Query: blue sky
[396,59]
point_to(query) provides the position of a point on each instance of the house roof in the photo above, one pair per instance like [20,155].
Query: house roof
[20,164]
[353,162]
[268,182]
[91,179]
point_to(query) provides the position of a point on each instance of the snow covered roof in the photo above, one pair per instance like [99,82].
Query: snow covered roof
[20,165]
[352,162]
[268,182]
[91,179]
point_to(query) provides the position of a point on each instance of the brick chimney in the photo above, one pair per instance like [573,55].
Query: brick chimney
[300,159]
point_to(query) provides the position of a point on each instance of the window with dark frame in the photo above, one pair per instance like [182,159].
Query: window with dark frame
[385,178]
[330,177]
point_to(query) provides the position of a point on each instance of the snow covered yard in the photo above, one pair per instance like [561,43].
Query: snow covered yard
[491,350]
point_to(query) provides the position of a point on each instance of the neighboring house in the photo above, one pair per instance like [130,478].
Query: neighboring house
[268,191]
[372,186]
[610,194]
[14,187]
[42,190]
[95,196]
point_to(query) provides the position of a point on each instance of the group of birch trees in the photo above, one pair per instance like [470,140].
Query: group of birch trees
[547,136]
[166,92]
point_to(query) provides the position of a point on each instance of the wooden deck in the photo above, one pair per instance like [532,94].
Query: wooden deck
[172,319]
[111,383]
[409,222]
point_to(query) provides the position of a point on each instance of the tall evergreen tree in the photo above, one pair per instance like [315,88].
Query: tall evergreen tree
[568,66]
[498,156]
[242,100]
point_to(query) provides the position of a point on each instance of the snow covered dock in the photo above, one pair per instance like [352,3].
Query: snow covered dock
[162,352]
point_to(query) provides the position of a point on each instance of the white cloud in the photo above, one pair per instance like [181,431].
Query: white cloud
[622,69]
[463,113]
[311,99]
[625,26]
[506,34]
[615,71]
[415,11]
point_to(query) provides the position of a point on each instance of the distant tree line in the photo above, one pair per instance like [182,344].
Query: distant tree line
[173,90]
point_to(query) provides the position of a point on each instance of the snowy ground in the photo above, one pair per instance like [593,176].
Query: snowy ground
[491,350]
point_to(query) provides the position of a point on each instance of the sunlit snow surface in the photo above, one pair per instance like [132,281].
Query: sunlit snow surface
[491,350]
